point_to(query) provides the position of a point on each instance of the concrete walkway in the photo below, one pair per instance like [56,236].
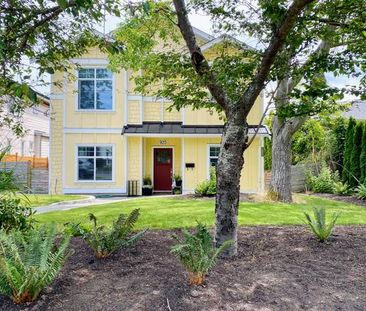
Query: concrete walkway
[90,201]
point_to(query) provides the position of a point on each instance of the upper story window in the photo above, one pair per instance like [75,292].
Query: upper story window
[213,156]
[95,89]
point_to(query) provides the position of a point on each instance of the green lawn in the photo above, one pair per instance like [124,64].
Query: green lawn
[46,199]
[166,213]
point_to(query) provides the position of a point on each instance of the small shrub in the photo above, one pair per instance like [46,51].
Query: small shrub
[318,224]
[15,214]
[30,261]
[323,182]
[197,253]
[207,187]
[7,181]
[361,192]
[104,241]
[341,188]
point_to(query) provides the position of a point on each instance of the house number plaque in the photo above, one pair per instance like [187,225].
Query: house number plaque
[162,142]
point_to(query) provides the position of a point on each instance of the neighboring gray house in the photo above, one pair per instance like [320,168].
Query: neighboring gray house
[357,110]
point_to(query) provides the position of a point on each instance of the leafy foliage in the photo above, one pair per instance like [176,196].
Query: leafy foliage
[346,174]
[361,192]
[363,156]
[104,241]
[337,145]
[207,187]
[15,213]
[341,188]
[197,253]
[319,225]
[30,261]
[355,169]
[323,182]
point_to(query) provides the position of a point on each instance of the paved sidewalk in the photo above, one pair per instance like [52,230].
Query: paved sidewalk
[67,205]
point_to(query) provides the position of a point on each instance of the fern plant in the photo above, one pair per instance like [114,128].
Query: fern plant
[341,188]
[197,253]
[319,225]
[105,241]
[361,192]
[30,261]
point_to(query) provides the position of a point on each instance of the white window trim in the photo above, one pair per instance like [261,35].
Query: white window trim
[76,176]
[76,97]
[208,158]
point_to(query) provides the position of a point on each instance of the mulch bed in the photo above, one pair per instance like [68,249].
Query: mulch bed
[348,199]
[277,268]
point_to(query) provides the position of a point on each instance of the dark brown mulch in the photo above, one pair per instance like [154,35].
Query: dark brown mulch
[348,199]
[278,268]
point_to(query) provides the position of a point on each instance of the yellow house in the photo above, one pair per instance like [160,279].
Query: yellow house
[105,138]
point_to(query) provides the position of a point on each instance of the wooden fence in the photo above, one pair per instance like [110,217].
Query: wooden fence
[35,162]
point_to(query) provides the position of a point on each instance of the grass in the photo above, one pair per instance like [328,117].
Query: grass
[46,199]
[168,213]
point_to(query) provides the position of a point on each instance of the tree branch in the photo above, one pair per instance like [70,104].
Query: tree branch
[199,62]
[274,47]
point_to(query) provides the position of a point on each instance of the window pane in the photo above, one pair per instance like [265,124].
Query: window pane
[86,94]
[214,151]
[104,95]
[86,151]
[86,73]
[104,151]
[103,73]
[213,162]
[104,169]
[86,169]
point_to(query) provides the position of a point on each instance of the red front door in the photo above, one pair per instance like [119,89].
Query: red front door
[163,168]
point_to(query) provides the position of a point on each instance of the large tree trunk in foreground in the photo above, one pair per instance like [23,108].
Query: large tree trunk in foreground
[282,133]
[229,168]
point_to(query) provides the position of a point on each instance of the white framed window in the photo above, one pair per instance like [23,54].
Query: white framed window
[95,89]
[95,163]
[213,155]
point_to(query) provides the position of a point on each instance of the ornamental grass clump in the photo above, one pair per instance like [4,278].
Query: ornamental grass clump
[105,241]
[29,261]
[319,225]
[197,253]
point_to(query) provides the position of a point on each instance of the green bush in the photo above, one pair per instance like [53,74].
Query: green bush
[207,187]
[15,213]
[341,188]
[361,192]
[318,224]
[197,253]
[7,181]
[30,261]
[105,241]
[323,182]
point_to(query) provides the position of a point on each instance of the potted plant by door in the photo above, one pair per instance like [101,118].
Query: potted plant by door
[147,188]
[178,180]
[177,185]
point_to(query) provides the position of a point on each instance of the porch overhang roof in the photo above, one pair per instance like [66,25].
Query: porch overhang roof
[178,129]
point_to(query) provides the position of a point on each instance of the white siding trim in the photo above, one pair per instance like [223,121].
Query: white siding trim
[59,96]
[125,98]
[94,190]
[74,130]
[90,61]
[183,163]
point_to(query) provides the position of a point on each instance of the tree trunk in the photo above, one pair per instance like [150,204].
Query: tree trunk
[282,133]
[229,166]
[281,161]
